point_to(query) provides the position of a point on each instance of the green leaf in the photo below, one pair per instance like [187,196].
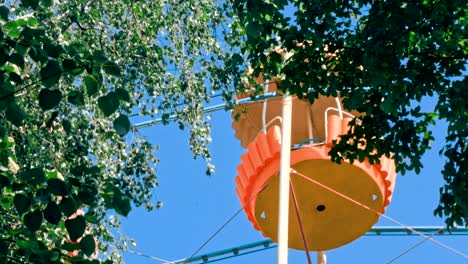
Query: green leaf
[22,202]
[47,3]
[74,181]
[165,118]
[123,94]
[33,220]
[57,187]
[4,12]
[50,74]
[10,25]
[27,244]
[13,33]
[76,98]
[68,206]
[122,125]
[88,245]
[6,143]
[52,213]
[66,126]
[78,170]
[412,38]
[53,255]
[91,218]
[9,68]
[121,204]
[5,181]
[88,195]
[51,119]
[4,246]
[17,59]
[7,93]
[32,21]
[92,85]
[53,174]
[76,227]
[53,50]
[40,253]
[2,131]
[14,77]
[15,114]
[112,68]
[21,22]
[70,66]
[70,246]
[108,103]
[22,50]
[34,4]
[49,99]
[34,176]
[99,57]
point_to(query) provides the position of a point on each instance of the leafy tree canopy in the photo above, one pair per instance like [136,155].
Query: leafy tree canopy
[384,57]
[71,75]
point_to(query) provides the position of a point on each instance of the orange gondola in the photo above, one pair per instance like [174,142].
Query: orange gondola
[328,220]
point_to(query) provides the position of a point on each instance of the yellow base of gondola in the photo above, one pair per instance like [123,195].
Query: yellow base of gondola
[328,220]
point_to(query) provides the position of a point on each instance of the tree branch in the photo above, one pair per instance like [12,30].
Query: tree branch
[455,56]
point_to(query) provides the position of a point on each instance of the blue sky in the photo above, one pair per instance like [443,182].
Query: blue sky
[196,205]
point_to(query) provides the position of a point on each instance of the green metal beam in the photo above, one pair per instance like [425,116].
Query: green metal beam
[375,231]
[208,109]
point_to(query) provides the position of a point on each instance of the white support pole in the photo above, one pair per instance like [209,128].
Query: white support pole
[321,257]
[283,206]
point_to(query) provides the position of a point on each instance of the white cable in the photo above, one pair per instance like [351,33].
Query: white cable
[266,84]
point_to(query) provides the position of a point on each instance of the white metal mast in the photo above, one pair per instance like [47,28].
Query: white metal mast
[285,159]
